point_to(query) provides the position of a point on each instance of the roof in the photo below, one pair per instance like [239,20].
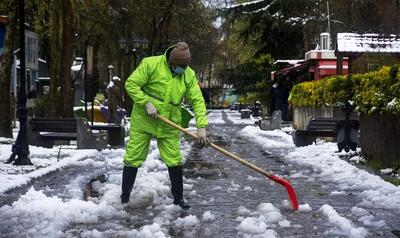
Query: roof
[292,62]
[297,67]
[368,43]
[3,19]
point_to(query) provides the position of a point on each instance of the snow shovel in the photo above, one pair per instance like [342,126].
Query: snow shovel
[281,181]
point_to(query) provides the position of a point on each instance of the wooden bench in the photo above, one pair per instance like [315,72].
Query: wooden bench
[46,131]
[245,113]
[316,127]
[345,131]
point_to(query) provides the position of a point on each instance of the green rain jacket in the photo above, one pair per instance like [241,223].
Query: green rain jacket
[153,80]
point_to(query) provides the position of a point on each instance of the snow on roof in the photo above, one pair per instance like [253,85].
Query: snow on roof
[292,62]
[375,43]
[245,4]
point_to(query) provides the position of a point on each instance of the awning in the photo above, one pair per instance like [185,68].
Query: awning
[295,68]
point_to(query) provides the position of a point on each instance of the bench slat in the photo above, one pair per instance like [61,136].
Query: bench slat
[59,136]
[53,124]
[316,133]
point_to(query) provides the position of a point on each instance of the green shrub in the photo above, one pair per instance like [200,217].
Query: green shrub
[376,91]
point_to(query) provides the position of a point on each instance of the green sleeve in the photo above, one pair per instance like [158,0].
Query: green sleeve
[136,81]
[195,98]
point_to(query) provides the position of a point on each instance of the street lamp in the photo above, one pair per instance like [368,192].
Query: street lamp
[134,47]
[20,150]
[110,73]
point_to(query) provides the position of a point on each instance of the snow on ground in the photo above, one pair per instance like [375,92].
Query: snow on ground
[376,192]
[215,117]
[44,160]
[234,116]
[327,166]
[342,226]
[261,222]
[54,214]
[268,139]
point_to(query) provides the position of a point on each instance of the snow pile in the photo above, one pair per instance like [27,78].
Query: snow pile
[342,225]
[51,214]
[305,208]
[186,223]
[54,214]
[148,231]
[366,218]
[215,118]
[208,216]
[44,160]
[152,185]
[260,222]
[376,193]
[268,139]
[234,117]
[322,158]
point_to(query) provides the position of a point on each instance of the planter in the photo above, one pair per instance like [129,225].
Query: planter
[379,138]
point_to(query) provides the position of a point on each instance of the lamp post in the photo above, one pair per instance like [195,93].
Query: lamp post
[134,47]
[20,150]
[110,73]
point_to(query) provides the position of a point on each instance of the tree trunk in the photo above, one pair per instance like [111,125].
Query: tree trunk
[5,77]
[66,58]
[158,24]
[54,62]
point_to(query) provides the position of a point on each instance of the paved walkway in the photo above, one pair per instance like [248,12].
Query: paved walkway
[216,184]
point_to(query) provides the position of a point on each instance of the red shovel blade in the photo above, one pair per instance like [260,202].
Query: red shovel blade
[289,189]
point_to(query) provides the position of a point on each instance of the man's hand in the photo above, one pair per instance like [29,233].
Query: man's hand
[151,110]
[201,136]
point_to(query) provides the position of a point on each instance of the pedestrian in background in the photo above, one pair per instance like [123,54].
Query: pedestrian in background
[158,86]
[114,100]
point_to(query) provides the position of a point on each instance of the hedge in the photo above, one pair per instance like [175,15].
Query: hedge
[376,91]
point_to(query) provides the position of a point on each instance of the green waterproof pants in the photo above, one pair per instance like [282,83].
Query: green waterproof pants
[138,148]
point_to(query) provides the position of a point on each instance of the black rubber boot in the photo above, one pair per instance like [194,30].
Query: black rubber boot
[175,174]
[128,179]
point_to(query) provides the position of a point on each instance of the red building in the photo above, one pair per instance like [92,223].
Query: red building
[317,64]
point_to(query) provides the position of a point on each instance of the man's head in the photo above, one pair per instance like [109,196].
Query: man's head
[180,56]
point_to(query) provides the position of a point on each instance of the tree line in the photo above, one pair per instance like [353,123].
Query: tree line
[67,27]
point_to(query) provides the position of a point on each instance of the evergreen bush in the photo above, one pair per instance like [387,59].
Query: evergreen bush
[376,91]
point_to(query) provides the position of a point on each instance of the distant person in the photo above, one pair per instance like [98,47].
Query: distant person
[257,109]
[114,100]
[276,95]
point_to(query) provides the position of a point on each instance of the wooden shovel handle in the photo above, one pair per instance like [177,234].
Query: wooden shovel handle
[216,147]
[281,181]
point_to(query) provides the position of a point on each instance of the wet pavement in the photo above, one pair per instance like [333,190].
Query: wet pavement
[221,186]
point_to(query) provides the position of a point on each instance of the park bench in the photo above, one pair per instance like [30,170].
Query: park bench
[245,113]
[46,131]
[316,127]
[322,127]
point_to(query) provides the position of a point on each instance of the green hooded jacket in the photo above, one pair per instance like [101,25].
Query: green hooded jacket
[153,80]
